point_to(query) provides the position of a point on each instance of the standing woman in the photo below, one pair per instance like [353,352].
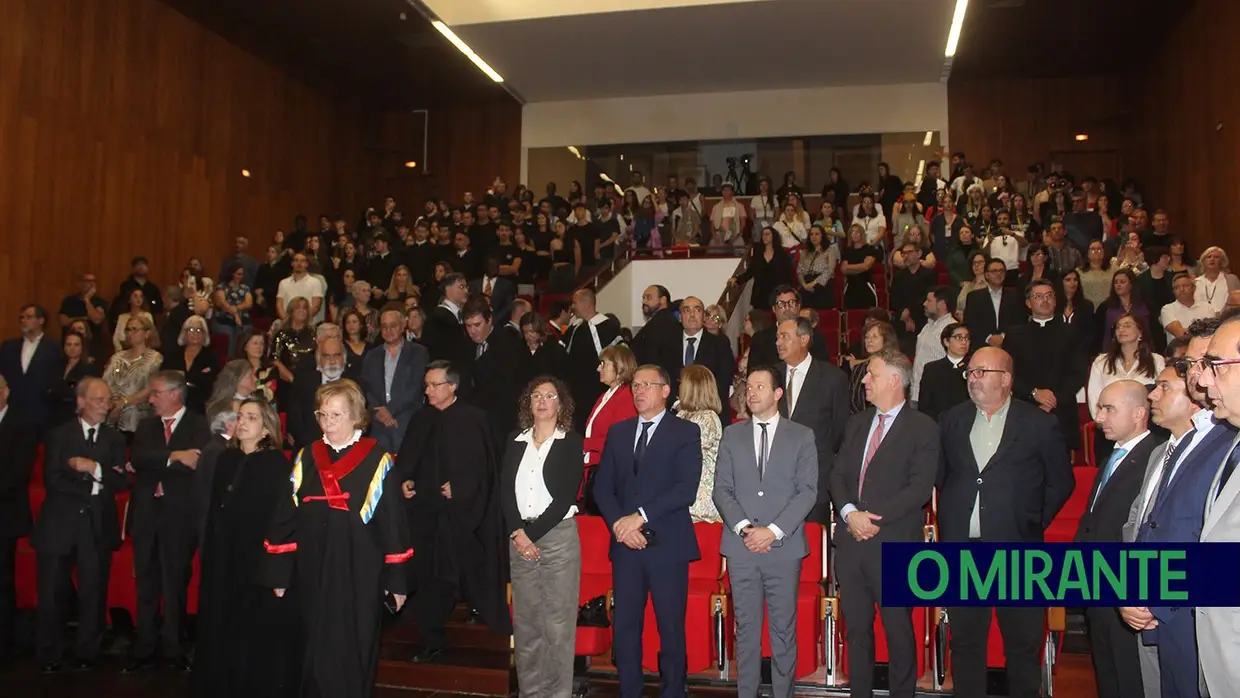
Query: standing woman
[765,208]
[547,355]
[541,475]
[232,305]
[252,346]
[196,361]
[816,270]
[137,306]
[246,636]
[292,343]
[128,374]
[1215,281]
[341,540]
[878,337]
[769,265]
[1075,309]
[78,364]
[859,259]
[1125,299]
[616,366]
[353,326]
[699,403]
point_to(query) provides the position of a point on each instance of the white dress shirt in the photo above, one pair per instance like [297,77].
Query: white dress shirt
[697,342]
[533,497]
[453,307]
[654,426]
[1176,311]
[29,346]
[97,476]
[772,425]
[796,381]
[890,418]
[929,348]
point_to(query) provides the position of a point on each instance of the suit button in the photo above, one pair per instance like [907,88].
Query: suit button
[979,481]
[760,493]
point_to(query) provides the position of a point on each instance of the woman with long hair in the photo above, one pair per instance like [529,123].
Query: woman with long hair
[137,307]
[547,355]
[1130,356]
[400,286]
[292,343]
[565,259]
[247,638]
[234,383]
[232,305]
[699,403]
[960,259]
[76,364]
[355,335]
[945,228]
[539,478]
[1179,257]
[1074,308]
[872,221]
[128,374]
[816,270]
[253,346]
[857,263]
[1039,267]
[769,265]
[1096,274]
[791,227]
[877,337]
[1022,218]
[765,208]
[1124,299]
[977,270]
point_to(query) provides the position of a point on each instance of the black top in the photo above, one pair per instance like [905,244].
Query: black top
[584,235]
[199,377]
[561,472]
[63,395]
[857,255]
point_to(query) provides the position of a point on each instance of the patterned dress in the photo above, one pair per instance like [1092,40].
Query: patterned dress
[703,508]
[125,377]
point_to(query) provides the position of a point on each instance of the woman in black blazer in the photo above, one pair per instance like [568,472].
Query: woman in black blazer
[196,360]
[77,363]
[547,355]
[541,475]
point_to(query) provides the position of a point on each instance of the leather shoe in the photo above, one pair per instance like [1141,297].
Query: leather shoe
[139,665]
[82,665]
[49,667]
[426,654]
[181,664]
[473,617]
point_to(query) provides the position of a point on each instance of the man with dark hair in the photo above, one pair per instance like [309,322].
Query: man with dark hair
[447,465]
[31,364]
[18,444]
[444,332]
[909,286]
[496,370]
[786,302]
[939,306]
[391,373]
[992,311]
[653,343]
[500,291]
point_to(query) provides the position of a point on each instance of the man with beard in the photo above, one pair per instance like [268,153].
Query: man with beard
[786,302]
[661,331]
[590,333]
[447,467]
[328,367]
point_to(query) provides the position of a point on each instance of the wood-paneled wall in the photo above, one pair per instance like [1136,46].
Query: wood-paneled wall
[1023,121]
[124,127]
[1184,160]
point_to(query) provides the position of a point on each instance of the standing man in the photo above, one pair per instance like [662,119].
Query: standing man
[31,365]
[77,528]
[940,307]
[766,484]
[998,456]
[815,393]
[694,345]
[883,479]
[444,333]
[328,367]
[300,285]
[590,333]
[497,372]
[653,340]
[18,447]
[1123,413]
[241,256]
[646,482]
[786,302]
[390,376]
[990,312]
[165,509]
[943,385]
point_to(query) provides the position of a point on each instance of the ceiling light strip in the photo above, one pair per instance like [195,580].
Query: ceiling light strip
[953,35]
[929,139]
[465,49]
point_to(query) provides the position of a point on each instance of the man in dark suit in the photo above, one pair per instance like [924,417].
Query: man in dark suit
[78,527]
[31,364]
[883,478]
[660,332]
[1123,413]
[815,394]
[164,516]
[786,302]
[943,385]
[499,290]
[391,374]
[998,456]
[18,447]
[328,367]
[992,311]
[444,335]
[497,372]
[646,482]
[766,484]
[1049,361]
[694,345]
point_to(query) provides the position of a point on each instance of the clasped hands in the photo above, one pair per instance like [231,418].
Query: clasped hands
[758,539]
[384,417]
[525,547]
[628,530]
[861,524]
[407,489]
[399,598]
[1138,618]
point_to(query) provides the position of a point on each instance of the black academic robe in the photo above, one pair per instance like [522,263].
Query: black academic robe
[583,355]
[339,541]
[496,379]
[248,639]
[460,541]
[1050,357]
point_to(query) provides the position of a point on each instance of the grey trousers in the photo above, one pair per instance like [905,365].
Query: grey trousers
[1151,677]
[755,579]
[544,613]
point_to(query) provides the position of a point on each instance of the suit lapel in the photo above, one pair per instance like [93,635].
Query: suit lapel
[892,436]
[1011,436]
[964,445]
[1215,506]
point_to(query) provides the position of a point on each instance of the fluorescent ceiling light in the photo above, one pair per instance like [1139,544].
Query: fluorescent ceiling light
[953,34]
[465,49]
[573,149]
[921,171]
[929,138]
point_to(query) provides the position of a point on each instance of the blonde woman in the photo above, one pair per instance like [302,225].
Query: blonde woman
[1215,279]
[699,403]
[128,374]
[137,307]
[401,286]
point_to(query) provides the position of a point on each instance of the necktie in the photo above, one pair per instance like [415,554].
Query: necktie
[792,375]
[641,446]
[168,421]
[90,437]
[1228,468]
[1116,456]
[486,287]
[1168,465]
[482,349]
[875,440]
[762,451]
[689,350]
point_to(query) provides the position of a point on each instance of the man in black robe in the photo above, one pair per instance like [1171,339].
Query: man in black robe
[497,373]
[447,468]
[443,335]
[590,333]
[656,342]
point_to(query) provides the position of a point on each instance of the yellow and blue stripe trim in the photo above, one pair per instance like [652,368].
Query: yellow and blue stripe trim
[375,491]
[295,478]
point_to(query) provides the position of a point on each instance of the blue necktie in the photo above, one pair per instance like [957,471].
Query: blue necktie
[1116,456]
[641,446]
[689,350]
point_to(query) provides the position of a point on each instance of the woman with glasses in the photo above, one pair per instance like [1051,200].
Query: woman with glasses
[615,369]
[1129,357]
[128,374]
[716,320]
[246,636]
[339,537]
[541,473]
[196,361]
[137,307]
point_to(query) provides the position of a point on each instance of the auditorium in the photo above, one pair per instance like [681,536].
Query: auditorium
[456,347]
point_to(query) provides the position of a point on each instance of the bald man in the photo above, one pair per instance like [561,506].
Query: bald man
[1123,415]
[999,456]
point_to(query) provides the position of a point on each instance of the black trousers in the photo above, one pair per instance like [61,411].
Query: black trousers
[93,563]
[432,605]
[1023,631]
[860,571]
[163,562]
[8,594]
[1113,647]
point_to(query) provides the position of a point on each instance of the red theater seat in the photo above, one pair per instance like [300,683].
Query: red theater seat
[703,585]
[1063,527]
[36,473]
[595,581]
[809,596]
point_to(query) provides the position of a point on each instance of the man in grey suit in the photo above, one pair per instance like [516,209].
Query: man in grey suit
[391,375]
[1218,643]
[883,477]
[766,483]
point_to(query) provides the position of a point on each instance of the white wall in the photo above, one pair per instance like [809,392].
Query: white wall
[703,278]
[735,115]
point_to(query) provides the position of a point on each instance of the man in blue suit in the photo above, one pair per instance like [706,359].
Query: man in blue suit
[646,481]
[391,378]
[1170,509]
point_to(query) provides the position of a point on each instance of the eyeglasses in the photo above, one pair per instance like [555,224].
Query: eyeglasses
[436,385]
[538,397]
[1042,296]
[329,416]
[959,337]
[643,385]
[195,330]
[787,304]
[1213,363]
[980,373]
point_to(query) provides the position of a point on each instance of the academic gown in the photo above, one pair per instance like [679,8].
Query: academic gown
[339,539]
[460,540]
[247,637]
[583,353]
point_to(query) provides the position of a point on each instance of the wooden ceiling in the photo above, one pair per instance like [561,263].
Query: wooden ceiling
[354,48]
[1062,38]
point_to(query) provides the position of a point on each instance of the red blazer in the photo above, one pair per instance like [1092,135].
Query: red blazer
[619,408]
